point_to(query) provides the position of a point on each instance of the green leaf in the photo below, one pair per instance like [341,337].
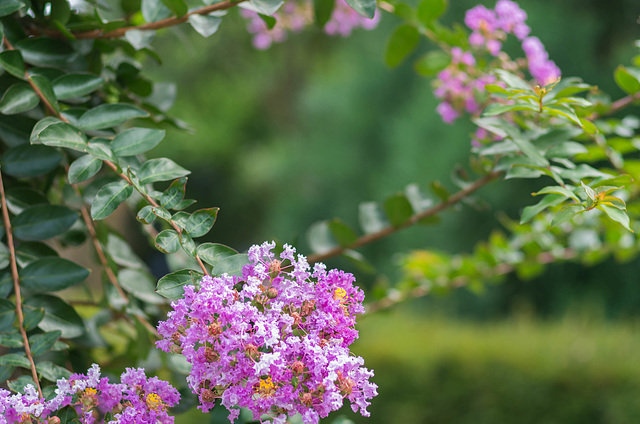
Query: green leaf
[341,232]
[371,217]
[430,10]
[201,221]
[512,81]
[41,125]
[366,8]
[565,150]
[322,10]
[146,215]
[162,169]
[617,215]
[29,252]
[46,52]
[4,256]
[402,42]
[168,241]
[398,209]
[7,315]
[558,190]
[566,213]
[432,62]
[174,194]
[320,238]
[7,7]
[46,90]
[497,109]
[154,10]
[58,315]
[135,141]
[496,89]
[52,372]
[172,285]
[109,115]
[188,245]
[122,253]
[63,135]
[264,7]
[205,25]
[11,61]
[83,168]
[161,213]
[211,253]
[178,7]
[591,194]
[100,150]
[52,274]
[32,317]
[20,383]
[15,360]
[627,79]
[41,343]
[109,198]
[11,340]
[231,265]
[18,98]
[588,126]
[41,222]
[72,86]
[140,284]
[547,201]
[559,110]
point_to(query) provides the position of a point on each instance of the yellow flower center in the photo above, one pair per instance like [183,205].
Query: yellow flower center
[154,401]
[90,391]
[339,293]
[266,387]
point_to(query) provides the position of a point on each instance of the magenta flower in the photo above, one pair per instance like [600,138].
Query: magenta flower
[275,341]
[541,68]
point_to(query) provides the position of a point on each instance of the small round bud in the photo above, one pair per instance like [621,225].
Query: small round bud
[306,399]
[207,395]
[53,420]
[272,293]
[297,367]
[274,268]
[251,351]
[210,354]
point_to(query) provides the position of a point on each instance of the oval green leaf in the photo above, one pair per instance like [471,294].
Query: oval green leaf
[58,315]
[41,222]
[84,168]
[76,85]
[52,274]
[109,198]
[109,115]
[162,169]
[18,98]
[135,141]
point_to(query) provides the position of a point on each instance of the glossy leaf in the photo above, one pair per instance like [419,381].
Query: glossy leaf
[174,194]
[31,251]
[547,201]
[566,213]
[140,284]
[7,7]
[162,169]
[154,10]
[109,115]
[63,135]
[205,25]
[122,253]
[18,98]
[71,86]
[201,221]
[32,316]
[366,8]
[11,61]
[52,372]
[7,315]
[146,215]
[398,209]
[430,10]
[46,90]
[172,285]
[52,274]
[41,125]
[135,141]
[211,253]
[627,79]
[41,222]
[617,215]
[83,168]
[371,217]
[168,241]
[47,52]
[20,383]
[58,315]
[403,41]
[231,265]
[188,245]
[41,343]
[109,198]
[15,360]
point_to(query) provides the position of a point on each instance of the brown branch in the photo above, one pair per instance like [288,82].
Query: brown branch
[387,231]
[461,281]
[16,284]
[164,23]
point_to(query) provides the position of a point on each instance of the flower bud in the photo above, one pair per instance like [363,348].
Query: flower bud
[251,351]
[210,354]
[53,420]
[272,293]
[207,395]
[274,268]
[297,367]
[215,329]
[306,399]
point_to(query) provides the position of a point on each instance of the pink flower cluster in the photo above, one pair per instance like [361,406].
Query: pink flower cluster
[461,84]
[275,341]
[136,400]
[294,16]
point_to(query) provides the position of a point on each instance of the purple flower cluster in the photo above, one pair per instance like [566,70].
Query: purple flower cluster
[461,84]
[275,341]
[136,400]
[540,67]
[294,16]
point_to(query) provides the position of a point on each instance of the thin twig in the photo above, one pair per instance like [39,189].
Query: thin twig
[16,285]
[369,238]
[164,23]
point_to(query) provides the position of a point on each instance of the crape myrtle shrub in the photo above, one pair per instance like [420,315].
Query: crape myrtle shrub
[265,334]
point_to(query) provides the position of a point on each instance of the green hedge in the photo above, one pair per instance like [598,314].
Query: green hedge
[434,371]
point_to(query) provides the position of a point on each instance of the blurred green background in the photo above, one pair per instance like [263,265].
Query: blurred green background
[310,128]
